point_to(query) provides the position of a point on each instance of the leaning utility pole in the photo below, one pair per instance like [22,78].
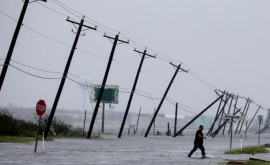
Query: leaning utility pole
[65,72]
[13,42]
[104,81]
[133,89]
[164,96]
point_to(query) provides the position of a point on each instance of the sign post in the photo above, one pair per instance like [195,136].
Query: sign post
[241,142]
[40,109]
[231,117]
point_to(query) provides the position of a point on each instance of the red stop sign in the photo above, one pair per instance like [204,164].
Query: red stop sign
[41,107]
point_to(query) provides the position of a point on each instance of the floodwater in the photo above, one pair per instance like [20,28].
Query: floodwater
[129,150]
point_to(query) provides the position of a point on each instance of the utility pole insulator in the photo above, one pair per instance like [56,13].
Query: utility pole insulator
[179,67]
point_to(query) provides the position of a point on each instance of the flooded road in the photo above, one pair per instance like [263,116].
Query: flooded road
[129,150]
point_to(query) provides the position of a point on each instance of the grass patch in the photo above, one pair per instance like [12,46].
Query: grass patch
[20,139]
[248,150]
[15,139]
[249,162]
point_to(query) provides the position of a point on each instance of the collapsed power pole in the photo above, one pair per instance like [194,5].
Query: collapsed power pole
[228,113]
[164,96]
[233,112]
[226,120]
[252,119]
[104,81]
[133,89]
[267,123]
[223,108]
[180,131]
[66,71]
[13,42]
[221,112]
[243,113]
[216,117]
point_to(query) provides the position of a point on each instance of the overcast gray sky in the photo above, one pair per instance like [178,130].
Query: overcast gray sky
[225,42]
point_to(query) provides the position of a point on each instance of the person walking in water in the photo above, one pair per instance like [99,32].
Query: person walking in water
[198,142]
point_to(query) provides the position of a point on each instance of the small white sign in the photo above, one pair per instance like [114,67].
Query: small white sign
[240,117]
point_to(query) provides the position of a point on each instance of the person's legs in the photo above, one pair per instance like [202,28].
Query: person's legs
[202,149]
[193,150]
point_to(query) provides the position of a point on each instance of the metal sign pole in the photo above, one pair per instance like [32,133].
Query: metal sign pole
[103,118]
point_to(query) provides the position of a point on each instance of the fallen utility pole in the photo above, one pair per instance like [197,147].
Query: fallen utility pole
[233,112]
[226,120]
[13,43]
[252,119]
[217,130]
[243,113]
[65,72]
[221,112]
[180,131]
[104,82]
[228,114]
[133,89]
[216,117]
[164,96]
[223,108]
[267,123]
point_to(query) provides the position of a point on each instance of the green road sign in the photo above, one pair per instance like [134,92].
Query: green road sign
[110,94]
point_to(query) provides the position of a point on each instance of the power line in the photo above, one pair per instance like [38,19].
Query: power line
[202,82]
[35,75]
[194,74]
[69,9]
[200,76]
[62,5]
[55,39]
[35,68]
[179,106]
[53,10]
[65,9]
